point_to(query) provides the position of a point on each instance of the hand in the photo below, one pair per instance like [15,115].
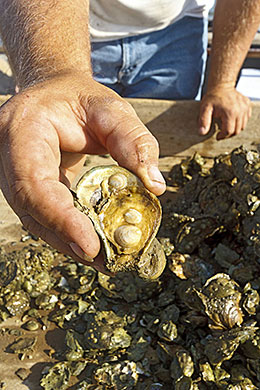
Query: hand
[227,104]
[45,131]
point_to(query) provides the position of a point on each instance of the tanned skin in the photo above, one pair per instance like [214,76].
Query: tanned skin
[235,25]
[61,114]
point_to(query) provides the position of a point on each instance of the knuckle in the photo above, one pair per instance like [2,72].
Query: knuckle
[110,113]
[231,111]
[121,105]
[111,103]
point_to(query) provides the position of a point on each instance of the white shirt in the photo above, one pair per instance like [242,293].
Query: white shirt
[114,19]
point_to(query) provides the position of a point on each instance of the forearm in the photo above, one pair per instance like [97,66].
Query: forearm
[45,38]
[234,27]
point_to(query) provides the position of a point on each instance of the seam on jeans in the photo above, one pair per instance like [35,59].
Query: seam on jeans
[120,72]
[125,59]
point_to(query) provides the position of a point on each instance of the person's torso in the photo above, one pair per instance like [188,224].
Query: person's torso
[114,19]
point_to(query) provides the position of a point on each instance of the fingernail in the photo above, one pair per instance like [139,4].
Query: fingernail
[155,175]
[80,253]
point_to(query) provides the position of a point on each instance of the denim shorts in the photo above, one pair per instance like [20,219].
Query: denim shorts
[165,64]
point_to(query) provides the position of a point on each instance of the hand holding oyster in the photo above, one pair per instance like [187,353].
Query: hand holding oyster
[126,216]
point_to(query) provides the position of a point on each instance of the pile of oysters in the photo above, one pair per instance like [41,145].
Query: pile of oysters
[192,324]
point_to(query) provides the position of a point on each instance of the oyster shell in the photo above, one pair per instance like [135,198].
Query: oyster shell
[221,297]
[126,216]
[117,375]
[57,377]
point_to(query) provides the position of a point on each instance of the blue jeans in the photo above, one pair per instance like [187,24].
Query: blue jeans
[165,64]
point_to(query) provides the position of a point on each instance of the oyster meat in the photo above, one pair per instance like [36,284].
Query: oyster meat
[126,216]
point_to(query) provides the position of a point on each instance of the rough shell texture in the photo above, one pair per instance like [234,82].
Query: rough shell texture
[126,216]
[221,297]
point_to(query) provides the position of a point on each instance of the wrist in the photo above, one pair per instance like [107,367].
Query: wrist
[213,88]
[45,76]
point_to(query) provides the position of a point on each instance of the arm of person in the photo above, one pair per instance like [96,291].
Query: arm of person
[234,27]
[59,115]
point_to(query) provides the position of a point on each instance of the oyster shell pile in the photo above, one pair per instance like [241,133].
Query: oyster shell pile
[24,274]
[195,327]
[126,216]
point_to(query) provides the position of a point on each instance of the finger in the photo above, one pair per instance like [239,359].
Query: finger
[98,264]
[247,115]
[53,216]
[205,118]
[228,126]
[239,125]
[35,190]
[132,145]
[245,121]
[138,151]
[50,203]
[250,111]
[48,236]
[39,230]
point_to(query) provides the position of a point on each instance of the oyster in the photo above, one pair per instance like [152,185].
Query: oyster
[105,330]
[222,346]
[8,269]
[126,216]
[221,297]
[57,377]
[118,376]
[23,345]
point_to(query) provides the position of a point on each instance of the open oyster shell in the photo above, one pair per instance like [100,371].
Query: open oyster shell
[126,216]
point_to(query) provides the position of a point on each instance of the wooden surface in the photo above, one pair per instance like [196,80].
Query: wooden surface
[174,124]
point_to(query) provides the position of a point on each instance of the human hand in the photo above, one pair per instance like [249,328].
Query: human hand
[227,104]
[45,130]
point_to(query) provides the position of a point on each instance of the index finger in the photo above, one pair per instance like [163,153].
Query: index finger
[47,210]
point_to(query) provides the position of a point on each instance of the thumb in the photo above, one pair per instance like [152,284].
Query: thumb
[133,146]
[205,118]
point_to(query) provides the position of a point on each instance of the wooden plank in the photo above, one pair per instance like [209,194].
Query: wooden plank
[174,124]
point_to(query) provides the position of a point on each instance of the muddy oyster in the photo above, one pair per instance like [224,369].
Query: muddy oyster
[126,216]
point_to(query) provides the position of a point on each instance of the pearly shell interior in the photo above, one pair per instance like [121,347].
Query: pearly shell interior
[125,214]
